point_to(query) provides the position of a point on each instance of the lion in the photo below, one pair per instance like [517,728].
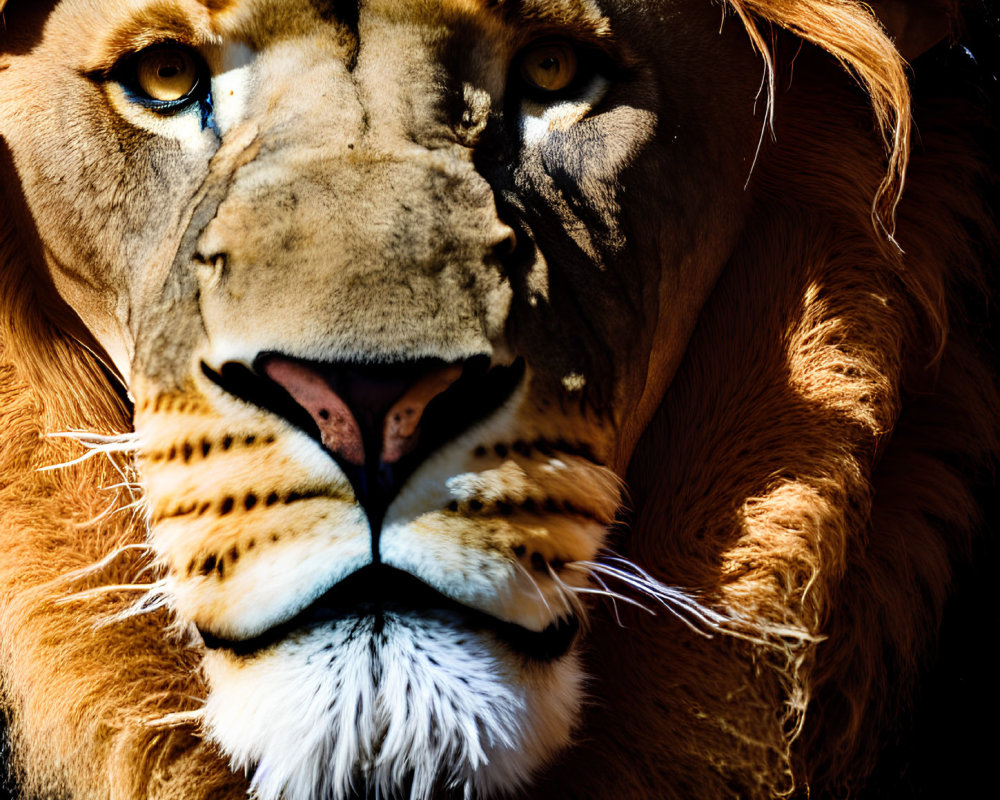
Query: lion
[475,398]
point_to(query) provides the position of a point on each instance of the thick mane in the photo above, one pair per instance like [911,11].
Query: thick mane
[850,33]
[915,379]
[90,697]
[842,504]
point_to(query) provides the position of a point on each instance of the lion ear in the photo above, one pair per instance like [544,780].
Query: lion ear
[915,25]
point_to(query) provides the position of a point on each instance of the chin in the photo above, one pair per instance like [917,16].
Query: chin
[385,702]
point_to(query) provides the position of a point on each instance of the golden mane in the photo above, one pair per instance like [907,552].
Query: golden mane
[116,731]
[850,32]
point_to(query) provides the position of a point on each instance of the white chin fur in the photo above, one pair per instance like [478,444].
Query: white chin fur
[421,706]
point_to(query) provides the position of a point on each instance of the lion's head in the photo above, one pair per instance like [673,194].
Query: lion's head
[410,303]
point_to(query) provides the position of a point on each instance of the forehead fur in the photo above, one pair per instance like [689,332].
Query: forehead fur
[850,32]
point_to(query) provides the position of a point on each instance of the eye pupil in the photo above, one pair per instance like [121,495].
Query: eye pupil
[166,74]
[550,67]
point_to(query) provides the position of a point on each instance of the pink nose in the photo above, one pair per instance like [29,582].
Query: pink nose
[379,422]
[363,416]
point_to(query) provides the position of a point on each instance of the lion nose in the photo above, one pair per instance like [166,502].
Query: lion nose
[379,422]
[370,415]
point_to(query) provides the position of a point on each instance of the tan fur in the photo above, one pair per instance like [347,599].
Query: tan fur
[92,695]
[796,437]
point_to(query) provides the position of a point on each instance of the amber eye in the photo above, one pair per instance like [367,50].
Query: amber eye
[166,74]
[550,66]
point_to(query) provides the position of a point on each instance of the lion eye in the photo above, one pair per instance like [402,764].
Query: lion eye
[549,67]
[166,75]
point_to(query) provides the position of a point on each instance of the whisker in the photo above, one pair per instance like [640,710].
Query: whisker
[567,594]
[95,443]
[177,719]
[153,600]
[128,485]
[91,569]
[128,475]
[614,602]
[89,438]
[108,511]
[611,595]
[136,491]
[63,464]
[698,618]
[666,595]
[534,583]
[684,604]
[99,591]
[134,506]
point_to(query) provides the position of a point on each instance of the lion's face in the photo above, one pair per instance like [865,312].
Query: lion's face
[396,286]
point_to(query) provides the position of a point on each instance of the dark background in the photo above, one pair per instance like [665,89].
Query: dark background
[949,748]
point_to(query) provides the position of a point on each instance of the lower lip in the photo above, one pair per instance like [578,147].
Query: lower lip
[377,590]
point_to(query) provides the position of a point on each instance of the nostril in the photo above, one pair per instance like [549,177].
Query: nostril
[339,430]
[401,428]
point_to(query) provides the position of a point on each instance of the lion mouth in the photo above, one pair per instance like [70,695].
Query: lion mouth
[377,590]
